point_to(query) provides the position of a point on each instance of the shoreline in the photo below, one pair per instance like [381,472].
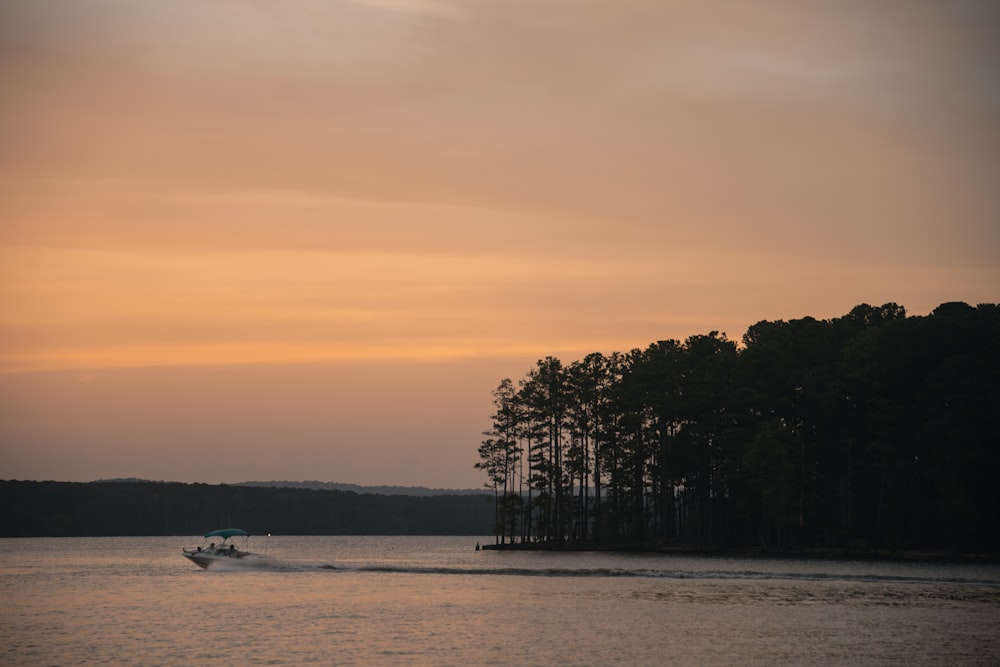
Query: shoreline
[911,556]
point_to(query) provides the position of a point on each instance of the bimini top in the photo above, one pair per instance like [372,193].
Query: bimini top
[226,533]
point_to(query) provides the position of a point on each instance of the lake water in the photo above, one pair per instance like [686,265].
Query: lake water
[437,601]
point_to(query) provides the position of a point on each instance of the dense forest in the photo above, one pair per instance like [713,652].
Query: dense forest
[871,432]
[384,490]
[57,509]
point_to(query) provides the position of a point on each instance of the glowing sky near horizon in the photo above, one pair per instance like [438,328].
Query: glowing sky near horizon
[249,240]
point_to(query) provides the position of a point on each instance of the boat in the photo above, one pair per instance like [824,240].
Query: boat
[224,550]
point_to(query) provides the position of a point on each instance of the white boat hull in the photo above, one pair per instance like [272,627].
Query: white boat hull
[207,558]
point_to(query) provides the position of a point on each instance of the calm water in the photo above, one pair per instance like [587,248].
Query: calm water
[437,601]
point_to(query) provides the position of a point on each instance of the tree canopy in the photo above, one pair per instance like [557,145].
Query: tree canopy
[869,432]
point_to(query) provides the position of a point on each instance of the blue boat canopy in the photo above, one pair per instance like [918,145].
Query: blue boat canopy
[226,533]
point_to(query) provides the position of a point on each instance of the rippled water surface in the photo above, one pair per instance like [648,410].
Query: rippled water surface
[437,601]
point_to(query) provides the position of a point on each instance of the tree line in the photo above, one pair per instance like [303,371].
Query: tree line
[72,509]
[875,431]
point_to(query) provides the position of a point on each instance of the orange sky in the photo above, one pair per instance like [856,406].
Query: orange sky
[305,240]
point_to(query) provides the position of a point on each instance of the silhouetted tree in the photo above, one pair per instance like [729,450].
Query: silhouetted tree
[870,431]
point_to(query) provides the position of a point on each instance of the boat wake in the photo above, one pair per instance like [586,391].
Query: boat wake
[748,575]
[261,563]
[248,562]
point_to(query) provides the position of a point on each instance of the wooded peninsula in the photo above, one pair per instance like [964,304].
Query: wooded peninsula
[871,433]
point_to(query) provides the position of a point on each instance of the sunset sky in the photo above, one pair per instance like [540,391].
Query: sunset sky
[305,239]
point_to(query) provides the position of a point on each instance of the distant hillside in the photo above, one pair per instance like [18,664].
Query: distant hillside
[123,507]
[417,491]
[378,490]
